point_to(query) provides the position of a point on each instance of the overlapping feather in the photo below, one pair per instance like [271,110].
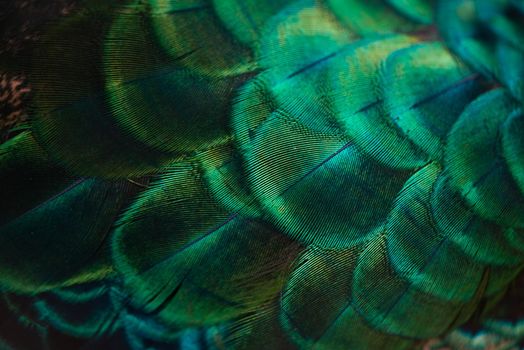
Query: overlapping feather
[325,174]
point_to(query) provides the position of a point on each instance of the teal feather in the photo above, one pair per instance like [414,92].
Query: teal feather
[289,174]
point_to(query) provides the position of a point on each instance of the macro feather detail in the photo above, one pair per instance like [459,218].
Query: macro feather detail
[281,174]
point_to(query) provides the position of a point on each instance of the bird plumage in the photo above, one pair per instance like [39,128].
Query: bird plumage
[308,174]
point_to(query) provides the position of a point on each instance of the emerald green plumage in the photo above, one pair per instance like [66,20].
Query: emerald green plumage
[487,35]
[486,182]
[418,81]
[286,174]
[56,219]
[207,47]
[359,103]
[369,18]
[191,233]
[158,100]
[73,114]
[418,10]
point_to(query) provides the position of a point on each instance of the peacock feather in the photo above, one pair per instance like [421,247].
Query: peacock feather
[279,174]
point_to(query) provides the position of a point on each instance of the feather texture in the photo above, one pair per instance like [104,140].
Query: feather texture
[287,174]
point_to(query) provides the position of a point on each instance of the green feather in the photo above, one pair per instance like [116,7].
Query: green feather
[316,292]
[295,174]
[301,34]
[475,163]
[513,145]
[488,36]
[382,297]
[157,100]
[192,31]
[359,103]
[418,83]
[318,310]
[190,234]
[61,240]
[52,218]
[245,19]
[71,114]
[420,11]
[369,18]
